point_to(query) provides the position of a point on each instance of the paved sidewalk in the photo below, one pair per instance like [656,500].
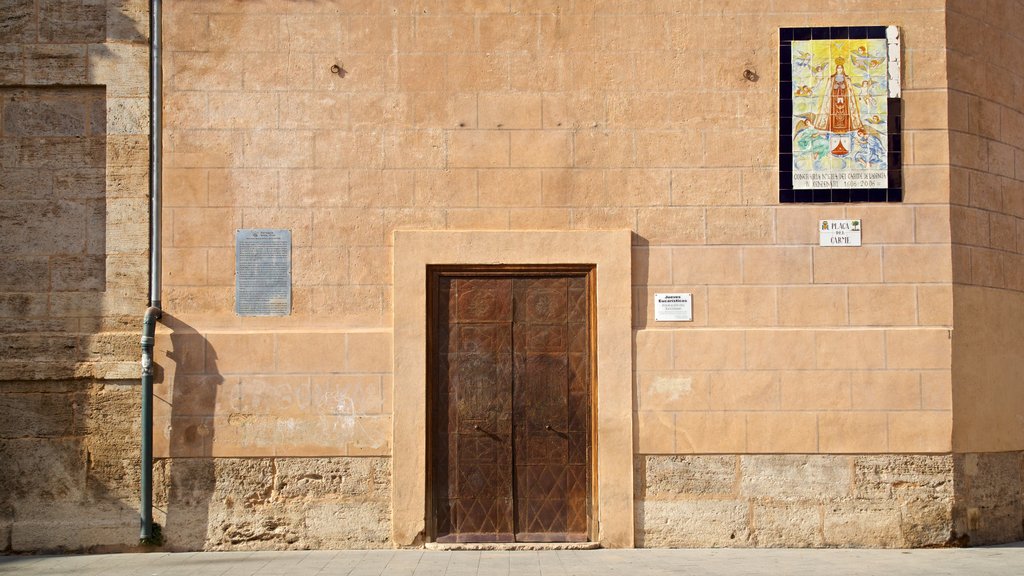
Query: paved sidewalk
[1002,560]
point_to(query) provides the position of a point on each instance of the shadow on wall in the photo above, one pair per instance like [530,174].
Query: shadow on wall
[70,466]
[69,448]
[186,481]
[642,282]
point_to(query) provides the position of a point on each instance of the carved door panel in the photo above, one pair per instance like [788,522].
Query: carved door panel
[551,408]
[511,409]
[473,410]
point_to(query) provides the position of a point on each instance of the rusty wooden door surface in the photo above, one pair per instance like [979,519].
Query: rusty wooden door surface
[511,409]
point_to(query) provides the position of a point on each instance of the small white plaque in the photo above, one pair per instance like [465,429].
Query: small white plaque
[838,232]
[673,307]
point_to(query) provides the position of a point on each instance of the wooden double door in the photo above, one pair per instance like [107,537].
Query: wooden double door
[511,406]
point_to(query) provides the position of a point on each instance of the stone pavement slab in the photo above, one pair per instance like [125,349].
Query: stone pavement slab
[992,560]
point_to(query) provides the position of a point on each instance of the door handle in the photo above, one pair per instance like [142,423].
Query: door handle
[485,432]
[560,433]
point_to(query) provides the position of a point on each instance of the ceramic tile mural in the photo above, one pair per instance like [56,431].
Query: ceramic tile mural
[839,115]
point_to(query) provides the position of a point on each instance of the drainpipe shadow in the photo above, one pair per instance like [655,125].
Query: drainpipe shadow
[185,476]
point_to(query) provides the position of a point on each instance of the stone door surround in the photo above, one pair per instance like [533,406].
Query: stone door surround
[609,253]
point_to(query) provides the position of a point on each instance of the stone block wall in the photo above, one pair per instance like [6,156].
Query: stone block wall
[986,117]
[561,116]
[883,501]
[73,270]
[986,128]
[54,213]
[70,465]
[252,394]
[513,116]
[986,124]
[989,497]
[274,503]
[73,166]
[574,116]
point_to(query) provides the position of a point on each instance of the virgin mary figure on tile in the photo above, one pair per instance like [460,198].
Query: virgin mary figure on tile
[839,112]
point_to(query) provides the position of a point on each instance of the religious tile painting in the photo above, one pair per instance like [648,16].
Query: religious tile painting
[840,115]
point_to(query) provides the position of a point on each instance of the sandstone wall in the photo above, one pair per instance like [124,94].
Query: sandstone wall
[883,501]
[272,394]
[794,348]
[986,126]
[989,499]
[73,88]
[73,270]
[70,458]
[987,206]
[551,115]
[559,116]
[274,503]
[574,116]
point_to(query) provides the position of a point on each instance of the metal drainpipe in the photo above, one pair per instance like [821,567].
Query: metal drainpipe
[153,313]
[146,514]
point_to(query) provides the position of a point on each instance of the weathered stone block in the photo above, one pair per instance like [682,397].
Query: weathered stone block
[126,229]
[343,479]
[36,415]
[48,470]
[904,477]
[857,523]
[795,476]
[64,22]
[12,70]
[6,523]
[25,325]
[989,507]
[704,523]
[107,370]
[24,274]
[285,503]
[28,116]
[38,347]
[787,524]
[110,346]
[926,523]
[992,524]
[989,479]
[126,182]
[188,482]
[348,525]
[128,20]
[108,417]
[17,22]
[41,386]
[252,528]
[243,482]
[76,304]
[805,500]
[55,64]
[78,273]
[36,228]
[21,305]
[128,116]
[50,526]
[666,477]
[26,184]
[122,67]
[76,182]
